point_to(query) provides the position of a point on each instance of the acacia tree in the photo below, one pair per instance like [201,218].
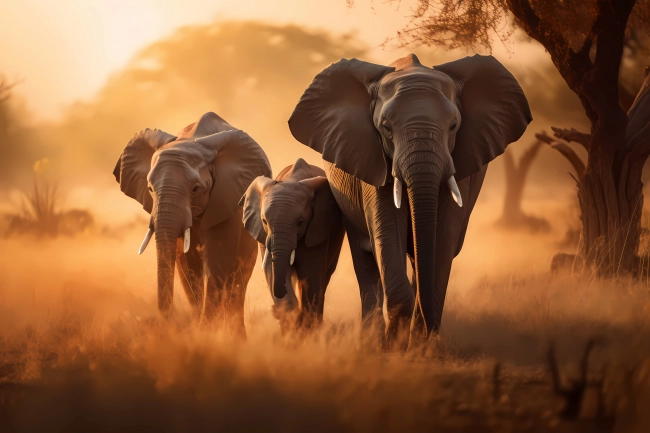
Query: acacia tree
[516,173]
[585,39]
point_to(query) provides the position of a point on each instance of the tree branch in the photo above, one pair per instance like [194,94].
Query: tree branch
[574,67]
[566,151]
[572,135]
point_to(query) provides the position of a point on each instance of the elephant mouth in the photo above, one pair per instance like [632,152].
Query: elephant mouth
[451,184]
[150,232]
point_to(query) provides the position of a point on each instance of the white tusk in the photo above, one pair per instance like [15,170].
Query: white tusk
[186,241]
[146,240]
[293,256]
[266,256]
[397,193]
[455,192]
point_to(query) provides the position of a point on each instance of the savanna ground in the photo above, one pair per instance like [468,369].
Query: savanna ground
[82,347]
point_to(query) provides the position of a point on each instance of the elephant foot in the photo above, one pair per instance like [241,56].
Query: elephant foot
[397,334]
[372,331]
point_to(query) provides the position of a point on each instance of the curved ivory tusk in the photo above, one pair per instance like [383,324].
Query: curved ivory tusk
[145,241]
[455,192]
[266,256]
[186,241]
[293,257]
[397,193]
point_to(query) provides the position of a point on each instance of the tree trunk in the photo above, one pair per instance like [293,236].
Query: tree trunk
[609,191]
[611,203]
[513,216]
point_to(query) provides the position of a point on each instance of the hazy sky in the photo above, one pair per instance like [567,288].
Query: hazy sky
[64,50]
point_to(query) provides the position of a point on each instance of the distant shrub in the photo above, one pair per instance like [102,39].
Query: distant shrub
[40,215]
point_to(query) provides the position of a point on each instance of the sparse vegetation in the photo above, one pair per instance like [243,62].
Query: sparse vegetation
[41,214]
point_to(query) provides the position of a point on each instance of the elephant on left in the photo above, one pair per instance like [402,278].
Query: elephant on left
[191,185]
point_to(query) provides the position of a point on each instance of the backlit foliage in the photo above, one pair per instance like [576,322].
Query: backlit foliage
[475,23]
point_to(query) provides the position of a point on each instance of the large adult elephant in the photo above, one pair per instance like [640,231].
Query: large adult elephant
[432,129]
[191,185]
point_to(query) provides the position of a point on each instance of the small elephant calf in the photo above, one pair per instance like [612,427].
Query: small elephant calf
[299,228]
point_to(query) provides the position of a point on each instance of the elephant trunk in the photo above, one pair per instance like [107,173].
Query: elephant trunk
[422,175]
[281,245]
[168,224]
[281,255]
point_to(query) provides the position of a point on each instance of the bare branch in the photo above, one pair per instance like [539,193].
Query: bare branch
[5,89]
[572,135]
[573,393]
[566,151]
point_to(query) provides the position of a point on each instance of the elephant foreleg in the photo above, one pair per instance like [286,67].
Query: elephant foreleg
[388,227]
[311,266]
[223,268]
[367,272]
[190,269]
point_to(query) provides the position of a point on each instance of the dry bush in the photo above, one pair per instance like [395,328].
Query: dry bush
[41,215]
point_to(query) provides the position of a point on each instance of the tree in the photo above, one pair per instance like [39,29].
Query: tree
[516,173]
[5,94]
[585,40]
[230,68]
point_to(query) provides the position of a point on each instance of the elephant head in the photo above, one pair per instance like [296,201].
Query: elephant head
[415,126]
[196,177]
[280,214]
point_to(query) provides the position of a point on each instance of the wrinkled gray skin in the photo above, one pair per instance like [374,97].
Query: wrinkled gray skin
[295,215]
[382,129]
[193,182]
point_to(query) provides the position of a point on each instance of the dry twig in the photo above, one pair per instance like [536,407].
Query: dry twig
[574,392]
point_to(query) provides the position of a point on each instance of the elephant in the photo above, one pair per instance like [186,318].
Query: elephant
[300,232]
[191,185]
[435,129]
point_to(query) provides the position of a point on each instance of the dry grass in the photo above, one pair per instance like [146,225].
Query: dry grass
[82,349]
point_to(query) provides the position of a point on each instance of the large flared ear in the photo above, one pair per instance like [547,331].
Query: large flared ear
[493,108]
[326,214]
[134,164]
[238,161]
[251,202]
[333,117]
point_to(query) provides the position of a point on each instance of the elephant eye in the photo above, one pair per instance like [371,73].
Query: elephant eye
[453,126]
[300,221]
[195,189]
[150,188]
[264,221]
[386,126]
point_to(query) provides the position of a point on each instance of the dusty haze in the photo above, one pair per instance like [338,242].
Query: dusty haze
[81,342]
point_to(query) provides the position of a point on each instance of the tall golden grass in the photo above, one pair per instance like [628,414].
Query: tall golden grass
[82,348]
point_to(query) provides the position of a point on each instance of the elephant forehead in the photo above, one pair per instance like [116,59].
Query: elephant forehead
[417,78]
[191,153]
[286,197]
[175,166]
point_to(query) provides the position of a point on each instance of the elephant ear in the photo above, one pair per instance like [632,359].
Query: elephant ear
[251,202]
[334,118]
[134,164]
[494,111]
[238,161]
[326,214]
